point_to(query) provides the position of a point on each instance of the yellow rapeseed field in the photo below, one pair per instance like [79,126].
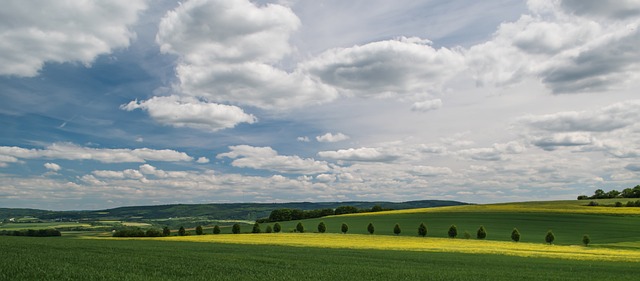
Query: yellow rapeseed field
[403,243]
[573,207]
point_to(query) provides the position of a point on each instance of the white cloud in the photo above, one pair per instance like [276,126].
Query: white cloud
[265,158]
[230,57]
[407,67]
[303,139]
[565,49]
[52,167]
[33,33]
[329,137]
[359,154]
[563,140]
[430,171]
[605,119]
[189,112]
[427,105]
[203,160]
[69,151]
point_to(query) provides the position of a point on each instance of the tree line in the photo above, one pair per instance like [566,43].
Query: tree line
[625,193]
[32,232]
[297,214]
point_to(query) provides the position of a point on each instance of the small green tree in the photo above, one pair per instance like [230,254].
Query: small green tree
[199,230]
[300,227]
[466,235]
[482,233]
[166,231]
[277,228]
[586,240]
[182,231]
[453,231]
[396,229]
[344,228]
[370,228]
[216,229]
[618,204]
[235,229]
[515,235]
[422,230]
[322,228]
[256,228]
[549,237]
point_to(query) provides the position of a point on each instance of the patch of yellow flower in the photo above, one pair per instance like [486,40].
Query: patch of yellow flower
[573,207]
[426,244]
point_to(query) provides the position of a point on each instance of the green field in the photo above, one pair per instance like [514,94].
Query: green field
[614,233]
[26,258]
[565,218]
[41,225]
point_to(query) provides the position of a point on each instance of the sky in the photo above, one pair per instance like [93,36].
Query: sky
[135,102]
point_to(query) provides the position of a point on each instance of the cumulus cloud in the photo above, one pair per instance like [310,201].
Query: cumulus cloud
[561,45]
[266,158]
[69,151]
[52,167]
[303,139]
[329,137]
[224,58]
[190,112]
[366,154]
[427,105]
[563,139]
[405,67]
[605,119]
[430,171]
[62,31]
[494,153]
[203,160]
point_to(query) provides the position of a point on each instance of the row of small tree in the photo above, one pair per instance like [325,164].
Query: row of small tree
[32,232]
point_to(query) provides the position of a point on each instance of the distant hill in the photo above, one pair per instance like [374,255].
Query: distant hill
[221,211]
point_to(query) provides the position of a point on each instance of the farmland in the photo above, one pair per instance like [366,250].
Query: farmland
[62,258]
[614,252]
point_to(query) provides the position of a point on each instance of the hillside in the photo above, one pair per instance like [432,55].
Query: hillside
[569,220]
[222,211]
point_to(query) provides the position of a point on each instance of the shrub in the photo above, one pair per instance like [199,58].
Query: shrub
[618,204]
[182,231]
[268,229]
[166,231]
[453,231]
[422,230]
[235,229]
[153,233]
[482,233]
[277,228]
[549,237]
[300,227]
[583,197]
[199,230]
[396,229]
[216,229]
[256,228]
[515,235]
[344,228]
[322,228]
[586,240]
[370,228]
[467,235]
[593,203]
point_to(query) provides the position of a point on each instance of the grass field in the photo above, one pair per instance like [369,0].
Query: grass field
[26,258]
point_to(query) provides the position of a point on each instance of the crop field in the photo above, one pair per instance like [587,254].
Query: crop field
[40,225]
[27,258]
[568,225]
